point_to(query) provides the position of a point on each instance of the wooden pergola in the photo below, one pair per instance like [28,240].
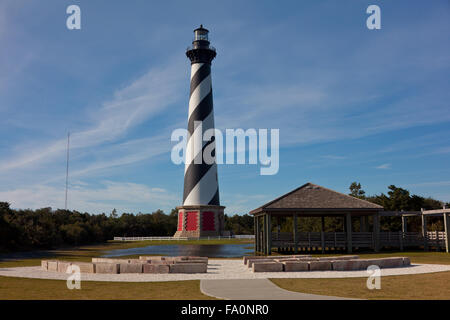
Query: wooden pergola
[426,238]
[311,200]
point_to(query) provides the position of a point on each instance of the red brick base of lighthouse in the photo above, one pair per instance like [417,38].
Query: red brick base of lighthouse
[200,221]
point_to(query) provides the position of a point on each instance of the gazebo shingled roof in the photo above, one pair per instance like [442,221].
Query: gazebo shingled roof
[312,197]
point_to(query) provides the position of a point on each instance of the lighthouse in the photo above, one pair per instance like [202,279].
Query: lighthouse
[201,214]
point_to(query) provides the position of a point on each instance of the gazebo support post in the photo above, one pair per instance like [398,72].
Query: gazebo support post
[447,235]
[294,232]
[269,234]
[257,235]
[278,228]
[376,232]
[264,234]
[255,231]
[322,234]
[348,224]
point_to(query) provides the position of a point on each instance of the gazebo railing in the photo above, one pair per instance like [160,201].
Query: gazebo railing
[359,239]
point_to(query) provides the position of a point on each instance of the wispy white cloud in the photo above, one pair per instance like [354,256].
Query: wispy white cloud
[142,99]
[384,166]
[124,196]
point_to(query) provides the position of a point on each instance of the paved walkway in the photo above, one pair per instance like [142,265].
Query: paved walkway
[254,289]
[225,269]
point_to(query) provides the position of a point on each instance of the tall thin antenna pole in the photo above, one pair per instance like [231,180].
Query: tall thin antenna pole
[67,169]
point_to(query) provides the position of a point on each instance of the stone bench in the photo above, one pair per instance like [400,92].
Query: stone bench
[130,267]
[152,258]
[158,262]
[188,268]
[136,261]
[85,267]
[287,259]
[52,265]
[293,266]
[319,265]
[110,260]
[406,261]
[156,268]
[44,265]
[190,261]
[250,262]
[111,268]
[246,258]
[267,267]
[394,262]
[197,258]
[338,258]
[63,265]
[348,265]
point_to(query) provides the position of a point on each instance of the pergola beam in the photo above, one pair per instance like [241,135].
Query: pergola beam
[438,211]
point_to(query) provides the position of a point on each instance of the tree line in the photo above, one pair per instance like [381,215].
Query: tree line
[22,229]
[46,228]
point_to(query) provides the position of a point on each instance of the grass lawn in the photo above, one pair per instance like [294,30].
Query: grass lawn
[32,289]
[413,287]
[419,286]
[26,289]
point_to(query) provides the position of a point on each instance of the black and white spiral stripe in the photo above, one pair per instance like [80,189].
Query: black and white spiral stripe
[200,179]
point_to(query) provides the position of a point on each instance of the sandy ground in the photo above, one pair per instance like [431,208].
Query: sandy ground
[218,269]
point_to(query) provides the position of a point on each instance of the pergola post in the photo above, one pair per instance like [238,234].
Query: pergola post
[404,224]
[424,231]
[294,232]
[322,234]
[446,229]
[376,231]
[348,223]
[269,234]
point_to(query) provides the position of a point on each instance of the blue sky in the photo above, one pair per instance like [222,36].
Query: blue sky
[351,104]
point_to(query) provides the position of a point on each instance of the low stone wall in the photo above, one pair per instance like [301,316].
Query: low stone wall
[145,264]
[107,268]
[85,267]
[320,266]
[63,265]
[290,266]
[303,256]
[188,268]
[267,267]
[156,268]
[52,265]
[308,263]
[130,267]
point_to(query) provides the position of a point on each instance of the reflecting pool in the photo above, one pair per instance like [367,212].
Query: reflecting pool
[204,250]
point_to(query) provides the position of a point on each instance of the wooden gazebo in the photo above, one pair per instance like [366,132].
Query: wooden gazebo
[311,200]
